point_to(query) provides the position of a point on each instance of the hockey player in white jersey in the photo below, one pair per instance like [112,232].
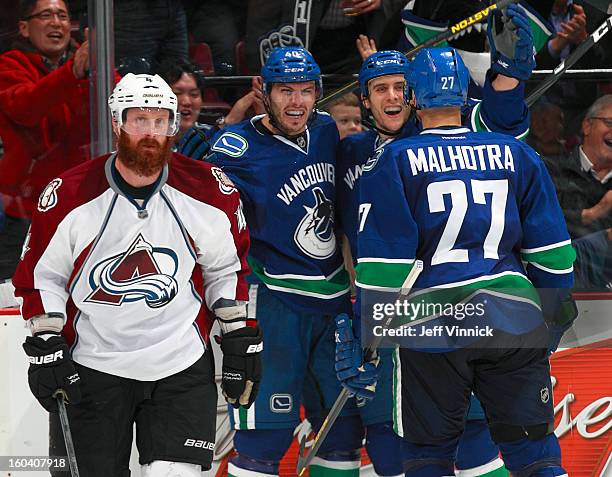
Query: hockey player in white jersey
[128,260]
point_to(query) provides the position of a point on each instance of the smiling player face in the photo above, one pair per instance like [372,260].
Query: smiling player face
[386,101]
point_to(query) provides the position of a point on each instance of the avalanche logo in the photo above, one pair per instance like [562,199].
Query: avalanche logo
[137,274]
[48,197]
[315,233]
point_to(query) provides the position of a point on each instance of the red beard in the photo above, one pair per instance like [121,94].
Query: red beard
[147,157]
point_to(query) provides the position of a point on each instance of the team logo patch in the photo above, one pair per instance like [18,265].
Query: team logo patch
[48,198]
[142,272]
[372,160]
[281,403]
[314,234]
[231,144]
[226,186]
[544,395]
[240,218]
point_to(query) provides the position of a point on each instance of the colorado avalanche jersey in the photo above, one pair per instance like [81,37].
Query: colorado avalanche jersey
[499,111]
[288,193]
[473,207]
[134,278]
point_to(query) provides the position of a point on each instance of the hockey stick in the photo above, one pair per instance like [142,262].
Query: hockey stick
[447,34]
[63,415]
[551,79]
[305,460]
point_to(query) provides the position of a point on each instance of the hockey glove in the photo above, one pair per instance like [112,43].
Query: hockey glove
[562,321]
[511,42]
[354,374]
[194,144]
[241,372]
[51,369]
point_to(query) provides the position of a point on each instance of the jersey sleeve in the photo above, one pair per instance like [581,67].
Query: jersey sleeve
[388,235]
[224,262]
[228,152]
[42,276]
[501,111]
[546,246]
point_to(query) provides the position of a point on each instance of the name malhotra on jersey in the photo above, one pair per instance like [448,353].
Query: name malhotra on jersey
[484,157]
[304,178]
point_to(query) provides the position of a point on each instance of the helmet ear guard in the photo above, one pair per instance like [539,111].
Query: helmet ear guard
[439,78]
[143,91]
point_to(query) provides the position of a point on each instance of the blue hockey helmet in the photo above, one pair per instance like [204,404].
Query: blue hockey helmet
[382,63]
[439,78]
[290,65]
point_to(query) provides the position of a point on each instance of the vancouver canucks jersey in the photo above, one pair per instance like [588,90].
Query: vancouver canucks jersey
[499,111]
[473,207]
[288,193]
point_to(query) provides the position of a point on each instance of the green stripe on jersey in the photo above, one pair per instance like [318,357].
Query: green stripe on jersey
[325,288]
[382,274]
[558,258]
[478,124]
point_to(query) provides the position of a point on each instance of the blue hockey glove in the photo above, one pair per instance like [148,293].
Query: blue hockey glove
[562,321]
[511,42]
[194,144]
[354,374]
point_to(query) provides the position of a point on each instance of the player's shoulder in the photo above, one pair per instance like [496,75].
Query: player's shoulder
[234,140]
[322,118]
[74,187]
[201,181]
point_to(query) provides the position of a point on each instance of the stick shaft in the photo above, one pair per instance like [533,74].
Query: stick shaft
[578,53]
[343,397]
[63,415]
[433,41]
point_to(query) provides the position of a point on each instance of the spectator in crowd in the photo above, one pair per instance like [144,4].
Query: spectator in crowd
[187,83]
[148,33]
[44,115]
[347,114]
[572,24]
[546,129]
[582,179]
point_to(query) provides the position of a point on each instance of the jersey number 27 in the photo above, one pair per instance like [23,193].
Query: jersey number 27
[457,189]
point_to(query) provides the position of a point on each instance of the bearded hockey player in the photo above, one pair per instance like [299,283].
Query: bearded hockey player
[283,164]
[382,81]
[473,207]
[125,256]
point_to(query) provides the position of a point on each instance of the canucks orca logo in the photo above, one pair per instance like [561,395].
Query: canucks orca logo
[315,232]
[143,272]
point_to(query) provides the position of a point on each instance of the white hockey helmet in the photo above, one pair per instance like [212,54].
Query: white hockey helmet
[144,91]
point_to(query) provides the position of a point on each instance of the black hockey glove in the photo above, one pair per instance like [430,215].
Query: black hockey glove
[241,371]
[51,368]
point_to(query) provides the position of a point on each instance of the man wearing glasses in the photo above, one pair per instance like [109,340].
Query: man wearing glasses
[44,116]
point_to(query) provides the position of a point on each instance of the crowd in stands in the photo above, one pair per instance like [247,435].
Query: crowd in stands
[44,87]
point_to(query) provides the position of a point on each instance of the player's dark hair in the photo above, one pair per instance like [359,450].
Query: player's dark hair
[172,71]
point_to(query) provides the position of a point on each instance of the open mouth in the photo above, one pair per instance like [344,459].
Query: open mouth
[55,35]
[185,113]
[393,110]
[608,142]
[295,114]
